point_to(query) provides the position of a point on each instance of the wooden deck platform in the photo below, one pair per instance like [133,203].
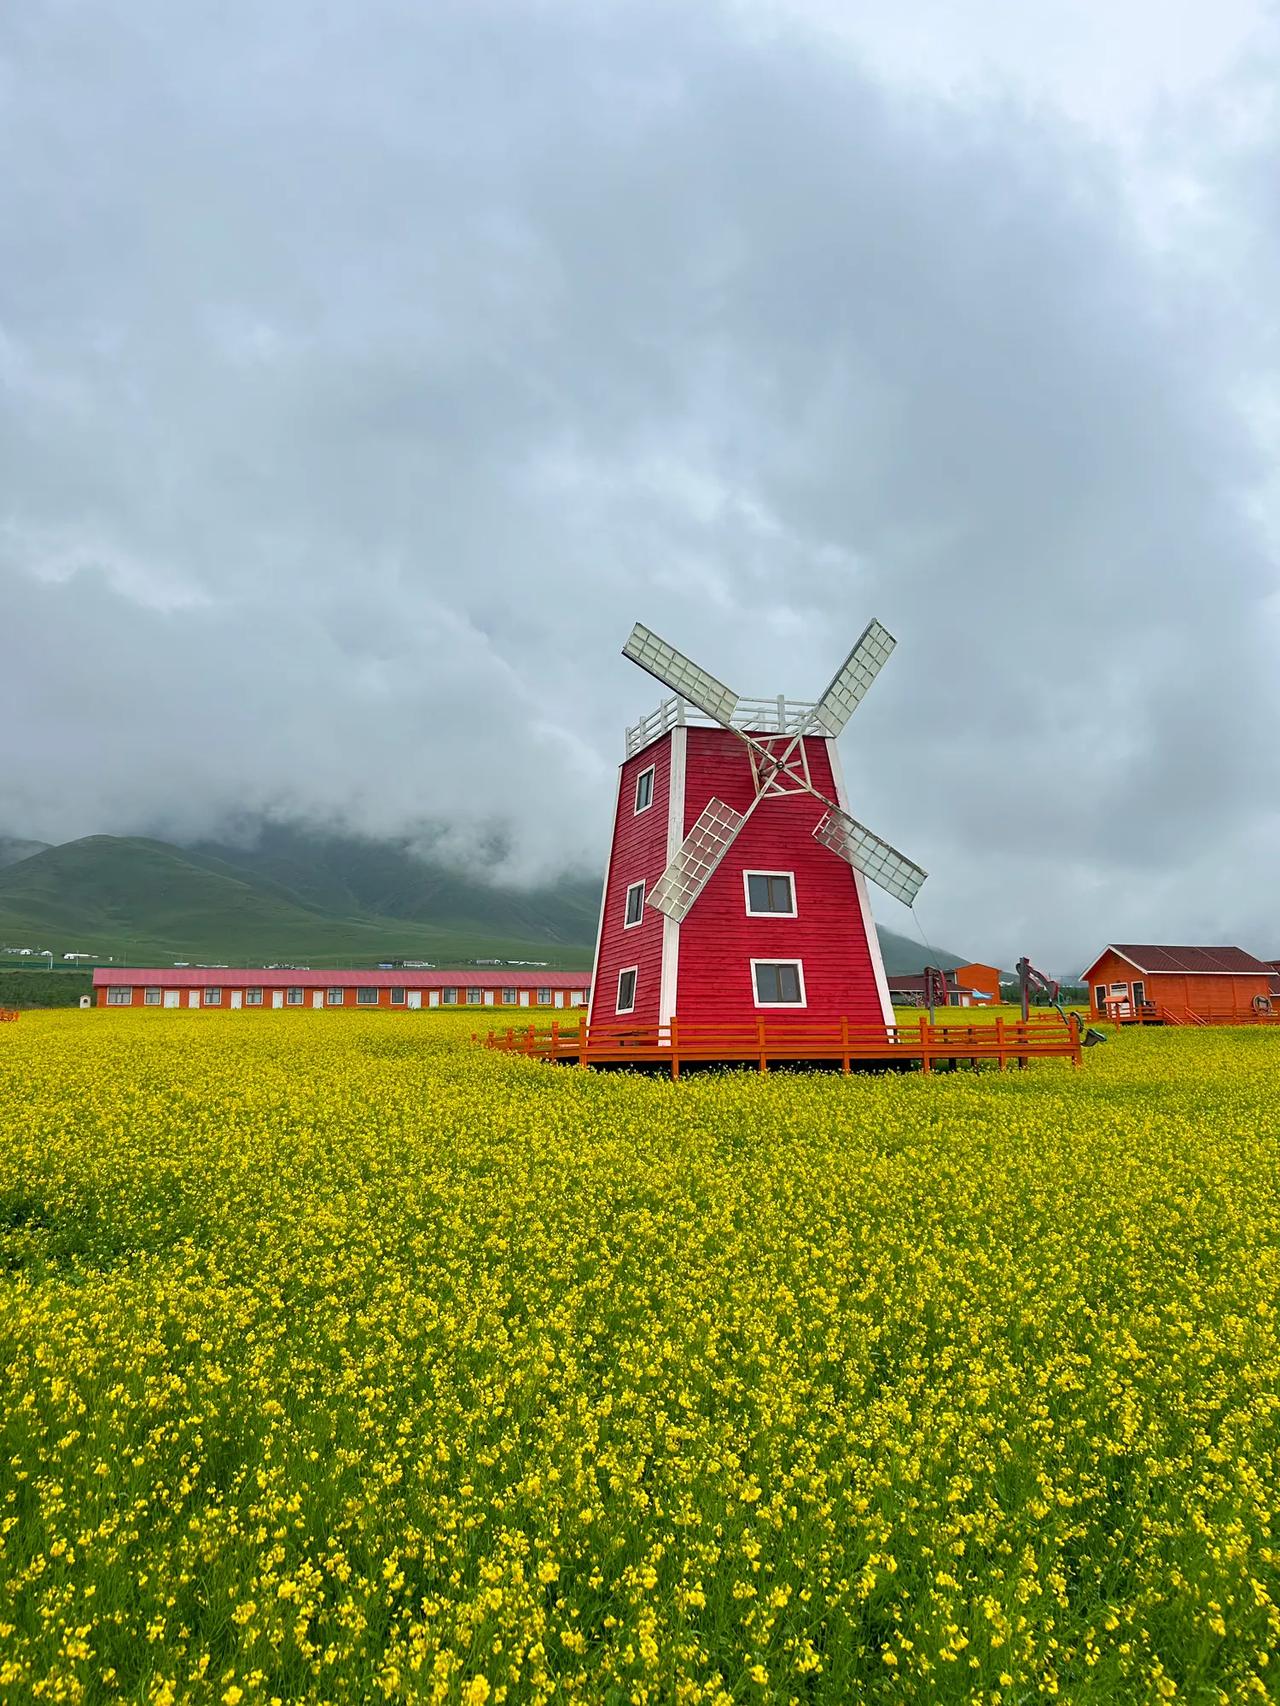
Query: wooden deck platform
[672,1047]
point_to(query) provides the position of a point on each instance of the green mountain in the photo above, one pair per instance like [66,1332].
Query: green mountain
[140,900]
[13,848]
[300,896]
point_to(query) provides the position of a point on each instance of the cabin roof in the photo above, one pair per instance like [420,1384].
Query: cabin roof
[1211,962]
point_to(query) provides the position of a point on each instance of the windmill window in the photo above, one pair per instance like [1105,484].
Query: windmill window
[253,998]
[367,995]
[644,790]
[778,983]
[119,995]
[152,997]
[635,905]
[626,1001]
[509,997]
[770,893]
[397,996]
[335,997]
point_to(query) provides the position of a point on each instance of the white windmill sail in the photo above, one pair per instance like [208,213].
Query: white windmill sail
[674,670]
[852,679]
[877,860]
[698,855]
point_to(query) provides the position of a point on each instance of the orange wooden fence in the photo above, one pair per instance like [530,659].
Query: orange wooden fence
[1161,1013]
[675,1045]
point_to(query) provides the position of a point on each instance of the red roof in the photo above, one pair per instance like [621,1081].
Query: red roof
[260,977]
[1216,962]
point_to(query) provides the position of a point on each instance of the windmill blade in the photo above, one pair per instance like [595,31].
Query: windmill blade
[852,679]
[674,670]
[857,846]
[698,855]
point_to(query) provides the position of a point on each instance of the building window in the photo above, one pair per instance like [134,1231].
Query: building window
[397,996]
[449,997]
[475,997]
[1119,991]
[294,996]
[635,905]
[152,997]
[543,997]
[213,997]
[778,983]
[771,892]
[644,790]
[578,998]
[626,1002]
[367,995]
[119,995]
[253,998]
[509,997]
[335,997]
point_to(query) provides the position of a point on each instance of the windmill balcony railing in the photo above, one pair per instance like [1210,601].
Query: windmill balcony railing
[780,716]
[811,1041]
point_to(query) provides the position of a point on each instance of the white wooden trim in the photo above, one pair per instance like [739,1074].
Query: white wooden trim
[604,896]
[669,980]
[635,990]
[774,960]
[746,894]
[864,898]
[633,923]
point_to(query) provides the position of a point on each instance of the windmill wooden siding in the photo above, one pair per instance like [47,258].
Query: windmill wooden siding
[1209,994]
[638,853]
[700,970]
[719,938]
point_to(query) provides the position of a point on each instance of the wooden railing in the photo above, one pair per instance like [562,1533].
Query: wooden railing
[8,1014]
[1122,1013]
[818,1041]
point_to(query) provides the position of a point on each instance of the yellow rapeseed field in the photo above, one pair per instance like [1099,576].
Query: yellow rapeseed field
[345,1362]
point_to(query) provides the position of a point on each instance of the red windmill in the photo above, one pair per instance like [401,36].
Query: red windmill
[737,880]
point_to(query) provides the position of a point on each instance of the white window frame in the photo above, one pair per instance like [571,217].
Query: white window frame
[1100,991]
[119,995]
[629,923]
[398,994]
[510,997]
[449,995]
[335,996]
[295,995]
[633,972]
[213,995]
[1119,991]
[152,995]
[367,995]
[773,960]
[649,771]
[746,896]
[253,997]
[475,995]
[543,997]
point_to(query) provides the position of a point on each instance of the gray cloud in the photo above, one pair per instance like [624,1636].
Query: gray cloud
[363,376]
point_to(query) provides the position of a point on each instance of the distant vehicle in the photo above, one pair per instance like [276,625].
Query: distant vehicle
[183,963]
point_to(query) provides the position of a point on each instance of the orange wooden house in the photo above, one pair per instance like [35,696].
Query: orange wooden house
[1136,983]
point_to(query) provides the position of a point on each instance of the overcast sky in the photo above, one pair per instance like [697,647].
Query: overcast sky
[367,370]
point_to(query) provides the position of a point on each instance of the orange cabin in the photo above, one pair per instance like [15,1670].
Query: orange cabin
[1136,981]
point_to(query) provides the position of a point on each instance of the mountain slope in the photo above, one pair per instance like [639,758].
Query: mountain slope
[351,875]
[13,848]
[302,897]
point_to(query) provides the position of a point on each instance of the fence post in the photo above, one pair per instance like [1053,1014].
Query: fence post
[511,1038]
[764,1059]
[528,1041]
[926,1064]
[844,1040]
[1000,1039]
[675,1047]
[555,1039]
[584,1039]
